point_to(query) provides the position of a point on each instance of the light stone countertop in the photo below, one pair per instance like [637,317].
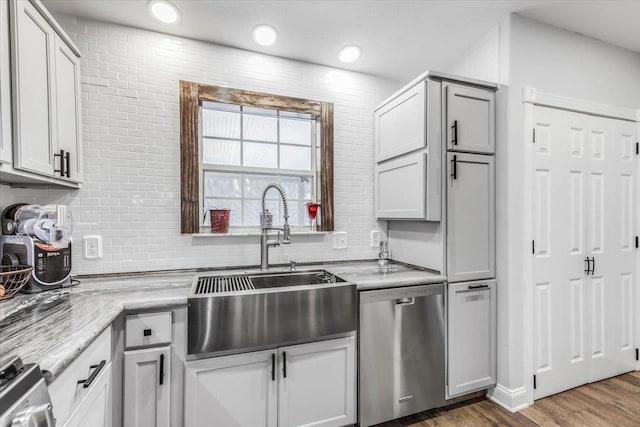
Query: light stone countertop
[52,328]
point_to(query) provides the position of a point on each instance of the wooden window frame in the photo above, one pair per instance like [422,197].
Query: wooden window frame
[193,94]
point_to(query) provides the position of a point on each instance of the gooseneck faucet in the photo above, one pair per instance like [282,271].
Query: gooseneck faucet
[266,221]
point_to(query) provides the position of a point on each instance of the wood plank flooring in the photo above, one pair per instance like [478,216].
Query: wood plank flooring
[611,402]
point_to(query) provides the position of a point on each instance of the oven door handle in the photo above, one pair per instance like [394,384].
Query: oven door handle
[34,416]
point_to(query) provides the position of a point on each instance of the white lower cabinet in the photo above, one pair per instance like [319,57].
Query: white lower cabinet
[147,386]
[237,390]
[95,409]
[317,387]
[81,395]
[471,345]
[303,385]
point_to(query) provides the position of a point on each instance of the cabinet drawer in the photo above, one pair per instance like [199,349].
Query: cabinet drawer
[80,377]
[147,329]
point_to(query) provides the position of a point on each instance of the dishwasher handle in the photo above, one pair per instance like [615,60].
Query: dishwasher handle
[405,301]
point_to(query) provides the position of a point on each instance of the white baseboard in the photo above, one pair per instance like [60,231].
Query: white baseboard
[511,400]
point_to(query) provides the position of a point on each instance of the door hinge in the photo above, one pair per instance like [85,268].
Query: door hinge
[637,148]
[637,354]
[533,247]
[534,135]
[535,383]
[637,243]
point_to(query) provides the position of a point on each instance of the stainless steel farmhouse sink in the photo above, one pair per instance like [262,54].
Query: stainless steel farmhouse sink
[233,312]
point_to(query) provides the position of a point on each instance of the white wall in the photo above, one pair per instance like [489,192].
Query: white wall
[482,60]
[555,61]
[131,194]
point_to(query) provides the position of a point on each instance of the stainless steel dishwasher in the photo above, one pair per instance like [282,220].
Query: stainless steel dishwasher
[402,352]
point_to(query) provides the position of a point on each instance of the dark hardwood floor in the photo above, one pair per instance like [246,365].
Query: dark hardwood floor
[612,402]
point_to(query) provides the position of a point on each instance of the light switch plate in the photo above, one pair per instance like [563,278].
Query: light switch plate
[375,238]
[339,240]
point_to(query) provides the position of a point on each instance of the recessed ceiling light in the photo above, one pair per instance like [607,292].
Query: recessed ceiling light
[164,11]
[264,35]
[349,53]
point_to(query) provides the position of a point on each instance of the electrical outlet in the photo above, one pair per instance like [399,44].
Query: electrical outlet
[375,238]
[92,246]
[339,240]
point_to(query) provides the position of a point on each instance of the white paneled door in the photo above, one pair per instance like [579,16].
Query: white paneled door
[584,243]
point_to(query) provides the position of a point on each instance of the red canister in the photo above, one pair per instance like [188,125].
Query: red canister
[219,220]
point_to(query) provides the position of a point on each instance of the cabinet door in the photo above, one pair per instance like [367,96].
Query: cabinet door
[95,408]
[470,119]
[67,86]
[317,384]
[237,390]
[147,387]
[401,124]
[33,96]
[471,337]
[470,217]
[401,186]
[5,86]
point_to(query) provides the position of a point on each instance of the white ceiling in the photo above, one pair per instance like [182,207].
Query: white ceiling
[399,39]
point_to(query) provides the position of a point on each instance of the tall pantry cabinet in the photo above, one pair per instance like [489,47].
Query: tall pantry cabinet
[435,185]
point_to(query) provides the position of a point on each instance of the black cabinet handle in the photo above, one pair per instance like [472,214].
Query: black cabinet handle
[96,370]
[67,159]
[146,332]
[62,163]
[454,167]
[273,366]
[593,266]
[284,364]
[161,369]
[454,128]
[588,268]
[478,286]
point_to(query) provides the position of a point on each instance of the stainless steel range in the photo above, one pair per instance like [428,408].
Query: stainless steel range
[24,398]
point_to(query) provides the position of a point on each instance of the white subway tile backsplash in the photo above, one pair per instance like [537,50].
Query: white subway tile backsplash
[131,132]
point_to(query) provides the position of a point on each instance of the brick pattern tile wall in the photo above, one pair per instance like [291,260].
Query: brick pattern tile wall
[130,114]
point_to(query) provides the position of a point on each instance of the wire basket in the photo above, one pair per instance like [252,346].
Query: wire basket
[12,279]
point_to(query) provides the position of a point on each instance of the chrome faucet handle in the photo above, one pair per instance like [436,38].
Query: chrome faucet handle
[292,265]
[286,231]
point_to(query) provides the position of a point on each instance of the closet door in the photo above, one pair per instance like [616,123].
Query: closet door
[584,249]
[611,243]
[560,250]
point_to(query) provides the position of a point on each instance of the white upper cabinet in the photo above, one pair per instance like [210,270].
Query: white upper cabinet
[45,75]
[33,103]
[470,119]
[400,187]
[67,79]
[470,217]
[5,86]
[401,124]
[408,153]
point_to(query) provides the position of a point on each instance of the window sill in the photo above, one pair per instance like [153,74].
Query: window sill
[255,233]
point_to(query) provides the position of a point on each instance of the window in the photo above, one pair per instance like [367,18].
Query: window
[243,149]
[235,142]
